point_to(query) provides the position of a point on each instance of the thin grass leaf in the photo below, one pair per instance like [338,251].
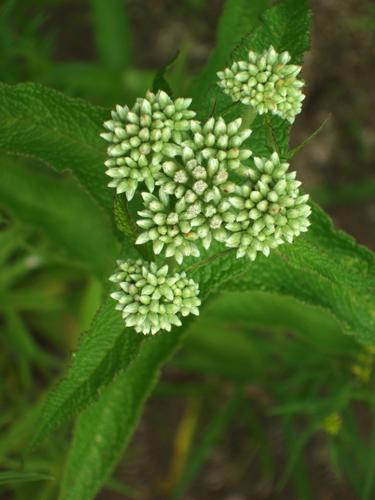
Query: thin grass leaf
[12,477]
[112,33]
[210,437]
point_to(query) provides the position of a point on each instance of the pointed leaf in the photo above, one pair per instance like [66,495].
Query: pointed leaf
[59,131]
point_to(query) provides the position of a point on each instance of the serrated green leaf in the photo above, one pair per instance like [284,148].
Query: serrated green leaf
[104,429]
[324,268]
[57,130]
[103,351]
[80,228]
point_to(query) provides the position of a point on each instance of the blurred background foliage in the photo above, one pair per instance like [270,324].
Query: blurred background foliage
[267,398]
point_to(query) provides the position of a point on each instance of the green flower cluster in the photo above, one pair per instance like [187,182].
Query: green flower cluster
[192,203]
[266,82]
[152,300]
[198,184]
[143,137]
[269,209]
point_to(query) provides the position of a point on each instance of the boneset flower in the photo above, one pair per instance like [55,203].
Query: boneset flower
[191,204]
[168,228]
[150,299]
[215,149]
[269,209]
[266,82]
[223,142]
[143,137]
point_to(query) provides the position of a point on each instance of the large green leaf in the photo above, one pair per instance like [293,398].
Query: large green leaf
[219,342]
[60,131]
[56,205]
[324,268]
[103,351]
[104,429]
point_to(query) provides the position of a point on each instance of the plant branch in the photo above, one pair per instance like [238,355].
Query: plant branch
[295,150]
[271,133]
[211,258]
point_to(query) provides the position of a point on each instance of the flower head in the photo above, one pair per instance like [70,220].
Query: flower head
[170,229]
[192,171]
[191,206]
[269,209]
[150,299]
[143,137]
[223,142]
[267,82]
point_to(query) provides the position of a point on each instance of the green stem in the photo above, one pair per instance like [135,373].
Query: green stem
[295,150]
[227,108]
[204,262]
[271,133]
[132,232]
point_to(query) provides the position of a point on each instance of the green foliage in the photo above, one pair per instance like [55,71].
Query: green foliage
[317,288]
[104,429]
[238,20]
[64,133]
[80,229]
[60,132]
[21,477]
[232,341]
[210,436]
[314,270]
[112,32]
[103,351]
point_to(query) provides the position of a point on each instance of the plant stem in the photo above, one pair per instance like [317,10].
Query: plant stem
[271,133]
[295,150]
[133,233]
[228,108]
[203,262]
